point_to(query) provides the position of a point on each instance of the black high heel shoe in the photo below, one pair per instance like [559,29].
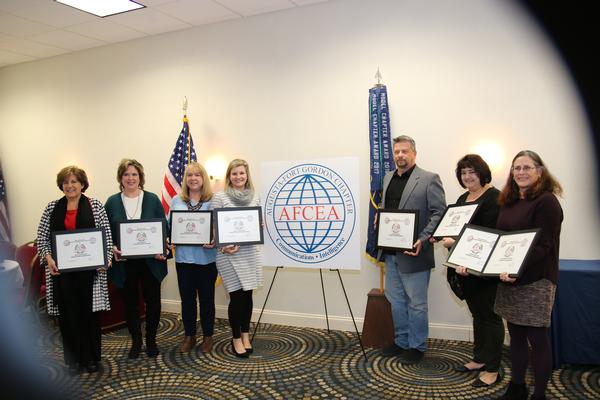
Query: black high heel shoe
[479,383]
[245,354]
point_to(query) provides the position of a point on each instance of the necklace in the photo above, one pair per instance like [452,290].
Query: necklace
[196,207]
[137,205]
[472,196]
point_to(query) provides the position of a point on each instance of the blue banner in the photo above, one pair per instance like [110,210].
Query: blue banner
[382,159]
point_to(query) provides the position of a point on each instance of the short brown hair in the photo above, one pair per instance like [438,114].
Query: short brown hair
[237,163]
[77,172]
[482,170]
[546,182]
[126,163]
[206,190]
[407,139]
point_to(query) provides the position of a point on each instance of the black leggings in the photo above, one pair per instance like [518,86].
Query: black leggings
[541,355]
[240,312]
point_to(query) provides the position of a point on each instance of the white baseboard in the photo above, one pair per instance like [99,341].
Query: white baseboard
[318,321]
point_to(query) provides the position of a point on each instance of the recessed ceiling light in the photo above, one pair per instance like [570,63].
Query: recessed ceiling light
[103,8]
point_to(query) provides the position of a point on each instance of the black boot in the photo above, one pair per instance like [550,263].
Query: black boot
[515,391]
[151,347]
[542,397]
[136,346]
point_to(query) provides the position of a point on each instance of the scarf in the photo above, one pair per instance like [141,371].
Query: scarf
[240,198]
[84,219]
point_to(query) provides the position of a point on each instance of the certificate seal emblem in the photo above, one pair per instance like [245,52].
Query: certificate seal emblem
[80,248]
[238,225]
[141,237]
[190,227]
[129,230]
[509,251]
[395,228]
[477,248]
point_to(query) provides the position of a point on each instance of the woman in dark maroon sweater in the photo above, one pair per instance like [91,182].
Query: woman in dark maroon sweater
[529,201]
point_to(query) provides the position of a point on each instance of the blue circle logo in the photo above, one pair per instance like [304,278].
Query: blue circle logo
[310,213]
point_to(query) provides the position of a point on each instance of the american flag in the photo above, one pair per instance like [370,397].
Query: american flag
[4,222]
[182,155]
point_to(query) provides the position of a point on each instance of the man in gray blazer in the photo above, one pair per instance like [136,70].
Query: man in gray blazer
[407,272]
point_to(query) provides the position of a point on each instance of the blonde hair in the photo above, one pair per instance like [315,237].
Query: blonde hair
[206,192]
[238,163]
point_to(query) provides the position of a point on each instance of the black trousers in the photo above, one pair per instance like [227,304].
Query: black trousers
[197,282]
[79,326]
[488,329]
[240,311]
[138,275]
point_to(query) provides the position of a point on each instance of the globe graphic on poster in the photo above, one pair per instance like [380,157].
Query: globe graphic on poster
[317,234]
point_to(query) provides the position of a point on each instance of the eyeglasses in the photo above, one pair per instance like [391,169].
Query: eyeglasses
[524,168]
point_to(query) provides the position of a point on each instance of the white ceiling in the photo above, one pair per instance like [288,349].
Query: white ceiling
[34,29]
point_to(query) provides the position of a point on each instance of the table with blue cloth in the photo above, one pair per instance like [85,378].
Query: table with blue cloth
[575,330]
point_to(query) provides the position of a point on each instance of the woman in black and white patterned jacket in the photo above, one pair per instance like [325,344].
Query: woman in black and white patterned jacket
[75,297]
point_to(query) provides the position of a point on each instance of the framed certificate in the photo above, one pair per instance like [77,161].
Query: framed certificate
[79,250]
[397,229]
[142,238]
[473,248]
[489,252]
[238,225]
[510,252]
[455,217]
[190,227]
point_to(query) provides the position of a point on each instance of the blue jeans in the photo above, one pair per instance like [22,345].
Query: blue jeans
[407,294]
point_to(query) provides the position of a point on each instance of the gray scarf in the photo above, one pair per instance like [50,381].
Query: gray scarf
[240,198]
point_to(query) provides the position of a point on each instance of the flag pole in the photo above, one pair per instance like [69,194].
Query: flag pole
[381,265]
[185,120]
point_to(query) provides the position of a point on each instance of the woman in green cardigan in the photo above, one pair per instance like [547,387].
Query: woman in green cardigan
[135,203]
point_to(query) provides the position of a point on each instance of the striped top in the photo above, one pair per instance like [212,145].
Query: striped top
[242,270]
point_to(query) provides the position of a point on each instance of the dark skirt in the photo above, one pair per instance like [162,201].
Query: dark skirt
[526,305]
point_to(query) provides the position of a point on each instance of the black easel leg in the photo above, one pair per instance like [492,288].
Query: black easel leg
[352,315]
[324,301]
[264,304]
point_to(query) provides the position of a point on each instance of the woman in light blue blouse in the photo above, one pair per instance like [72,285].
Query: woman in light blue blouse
[196,269]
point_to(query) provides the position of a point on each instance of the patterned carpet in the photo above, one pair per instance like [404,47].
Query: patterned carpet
[288,363]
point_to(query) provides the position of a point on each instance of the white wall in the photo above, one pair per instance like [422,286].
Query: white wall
[294,84]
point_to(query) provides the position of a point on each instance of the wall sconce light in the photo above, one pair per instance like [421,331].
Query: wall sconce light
[493,154]
[215,167]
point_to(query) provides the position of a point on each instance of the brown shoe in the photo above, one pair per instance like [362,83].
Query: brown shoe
[207,344]
[188,344]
